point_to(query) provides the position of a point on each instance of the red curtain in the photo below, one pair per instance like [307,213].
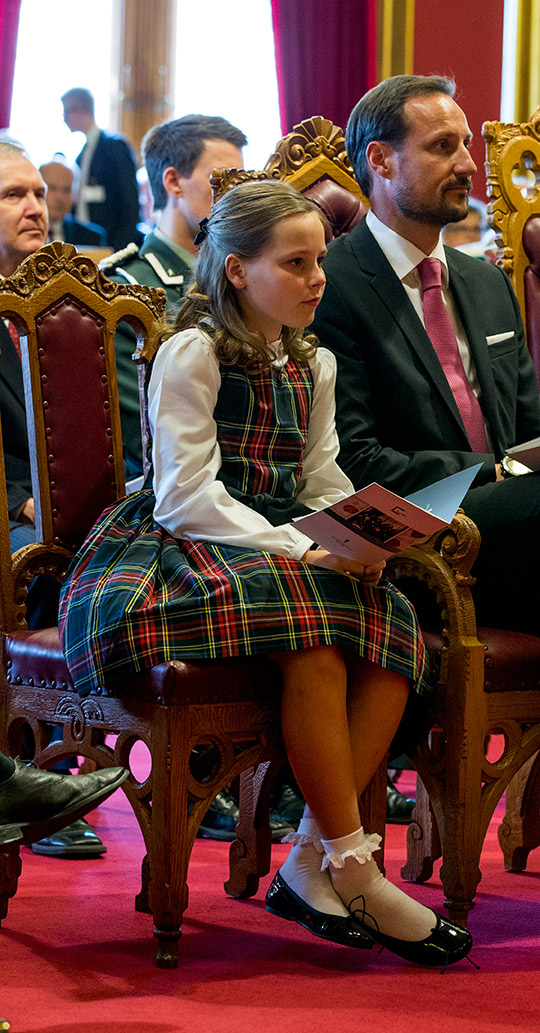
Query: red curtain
[9,26]
[325,57]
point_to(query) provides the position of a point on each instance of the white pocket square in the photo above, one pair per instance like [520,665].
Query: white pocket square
[497,338]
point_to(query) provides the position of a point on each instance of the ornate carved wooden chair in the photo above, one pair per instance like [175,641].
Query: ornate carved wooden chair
[513,185]
[67,311]
[487,680]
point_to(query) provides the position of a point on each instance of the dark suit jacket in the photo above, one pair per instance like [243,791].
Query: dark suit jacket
[396,418]
[113,168]
[12,412]
[77,232]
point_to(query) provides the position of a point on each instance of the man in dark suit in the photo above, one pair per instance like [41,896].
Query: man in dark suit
[398,418]
[108,192]
[60,182]
[23,229]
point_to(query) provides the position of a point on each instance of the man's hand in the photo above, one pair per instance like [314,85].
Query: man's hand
[367,574]
[26,514]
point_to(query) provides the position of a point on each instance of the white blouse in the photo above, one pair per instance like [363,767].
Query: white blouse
[190,502]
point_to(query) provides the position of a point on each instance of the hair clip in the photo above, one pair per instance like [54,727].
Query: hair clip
[203,231]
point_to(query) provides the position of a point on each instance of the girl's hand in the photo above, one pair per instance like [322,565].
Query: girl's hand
[369,575]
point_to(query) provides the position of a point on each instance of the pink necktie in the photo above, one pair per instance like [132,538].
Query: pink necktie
[441,332]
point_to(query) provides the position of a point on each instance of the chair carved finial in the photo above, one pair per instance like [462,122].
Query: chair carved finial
[310,139]
[222,180]
[314,149]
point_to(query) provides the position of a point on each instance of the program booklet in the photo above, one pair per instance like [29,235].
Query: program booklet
[528,454]
[373,523]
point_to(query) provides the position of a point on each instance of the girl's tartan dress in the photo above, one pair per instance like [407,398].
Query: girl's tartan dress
[136,596]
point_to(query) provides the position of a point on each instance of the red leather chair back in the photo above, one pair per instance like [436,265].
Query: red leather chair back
[342,209]
[75,386]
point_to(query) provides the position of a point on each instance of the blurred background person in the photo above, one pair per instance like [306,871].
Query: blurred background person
[61,195]
[108,192]
[472,235]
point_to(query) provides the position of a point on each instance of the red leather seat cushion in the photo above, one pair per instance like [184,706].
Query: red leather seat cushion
[512,659]
[35,658]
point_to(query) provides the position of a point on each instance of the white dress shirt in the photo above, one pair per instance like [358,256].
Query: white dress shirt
[190,501]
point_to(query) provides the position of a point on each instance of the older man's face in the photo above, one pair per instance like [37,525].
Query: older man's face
[23,212]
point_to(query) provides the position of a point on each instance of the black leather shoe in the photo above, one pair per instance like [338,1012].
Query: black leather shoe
[78,840]
[222,817]
[287,806]
[282,901]
[399,808]
[41,802]
[446,943]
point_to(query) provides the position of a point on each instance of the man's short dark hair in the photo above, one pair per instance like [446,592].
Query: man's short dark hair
[180,144]
[78,99]
[379,115]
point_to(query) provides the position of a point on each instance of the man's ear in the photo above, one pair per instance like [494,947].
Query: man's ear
[379,157]
[172,181]
[235,271]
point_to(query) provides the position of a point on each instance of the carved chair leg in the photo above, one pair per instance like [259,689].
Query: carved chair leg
[462,834]
[10,865]
[423,840]
[372,805]
[171,836]
[250,853]
[519,831]
[142,902]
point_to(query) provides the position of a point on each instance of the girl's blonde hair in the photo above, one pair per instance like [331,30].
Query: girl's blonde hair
[242,223]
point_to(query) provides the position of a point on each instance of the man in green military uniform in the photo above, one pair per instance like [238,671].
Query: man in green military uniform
[179,157]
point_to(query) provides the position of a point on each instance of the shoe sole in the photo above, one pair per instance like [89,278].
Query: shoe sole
[224,836]
[71,852]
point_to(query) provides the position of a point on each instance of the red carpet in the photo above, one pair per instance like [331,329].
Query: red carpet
[76,957]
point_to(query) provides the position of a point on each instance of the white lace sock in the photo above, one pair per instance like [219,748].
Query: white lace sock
[303,873]
[355,875]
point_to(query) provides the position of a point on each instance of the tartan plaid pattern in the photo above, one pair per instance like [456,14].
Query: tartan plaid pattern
[137,597]
[262,426]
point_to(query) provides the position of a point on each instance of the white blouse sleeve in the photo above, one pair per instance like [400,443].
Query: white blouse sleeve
[190,502]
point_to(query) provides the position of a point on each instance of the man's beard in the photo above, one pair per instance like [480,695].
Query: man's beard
[437,214]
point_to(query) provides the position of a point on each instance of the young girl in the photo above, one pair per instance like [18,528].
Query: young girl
[241,409]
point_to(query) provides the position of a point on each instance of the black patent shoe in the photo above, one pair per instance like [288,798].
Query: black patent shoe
[446,943]
[282,901]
